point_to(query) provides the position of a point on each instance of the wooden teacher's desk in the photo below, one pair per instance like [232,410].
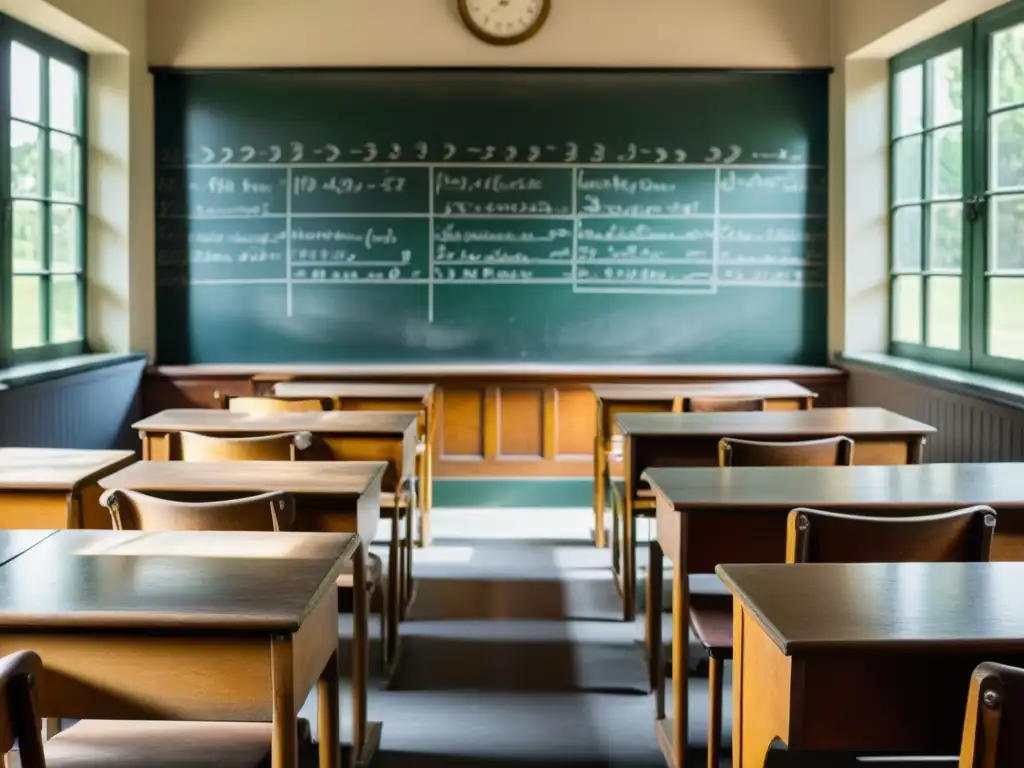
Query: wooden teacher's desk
[55,488]
[867,657]
[186,626]
[613,399]
[378,396]
[708,516]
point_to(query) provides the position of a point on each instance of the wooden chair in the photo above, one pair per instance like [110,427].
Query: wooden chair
[721,404]
[993,737]
[280,447]
[827,452]
[263,405]
[121,743]
[711,615]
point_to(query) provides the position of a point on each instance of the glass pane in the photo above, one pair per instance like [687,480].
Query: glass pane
[908,167]
[1007,154]
[1007,66]
[947,88]
[947,160]
[64,97]
[908,100]
[26,83]
[943,312]
[64,238]
[27,235]
[65,167]
[946,242]
[26,160]
[64,312]
[906,224]
[1006,233]
[906,309]
[27,309]
[1006,317]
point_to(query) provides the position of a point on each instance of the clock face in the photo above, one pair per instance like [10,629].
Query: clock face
[505,20]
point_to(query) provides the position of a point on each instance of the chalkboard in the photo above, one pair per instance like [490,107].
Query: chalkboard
[462,216]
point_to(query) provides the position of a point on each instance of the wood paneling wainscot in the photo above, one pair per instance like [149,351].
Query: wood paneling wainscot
[493,420]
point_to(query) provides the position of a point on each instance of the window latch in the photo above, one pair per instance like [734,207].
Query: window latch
[973,208]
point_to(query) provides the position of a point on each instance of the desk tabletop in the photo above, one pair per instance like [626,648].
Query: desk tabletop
[818,422]
[367,389]
[969,607]
[15,543]
[56,469]
[247,582]
[336,478]
[325,422]
[766,389]
[942,486]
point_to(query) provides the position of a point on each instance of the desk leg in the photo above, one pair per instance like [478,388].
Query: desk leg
[426,493]
[360,657]
[328,710]
[600,492]
[680,682]
[394,588]
[655,579]
[284,748]
[628,558]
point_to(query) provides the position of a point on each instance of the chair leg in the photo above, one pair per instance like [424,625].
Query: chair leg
[715,674]
[616,543]
[628,564]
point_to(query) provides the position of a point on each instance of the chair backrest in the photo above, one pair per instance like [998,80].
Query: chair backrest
[261,405]
[721,404]
[993,737]
[961,536]
[19,673]
[280,447]
[134,511]
[827,452]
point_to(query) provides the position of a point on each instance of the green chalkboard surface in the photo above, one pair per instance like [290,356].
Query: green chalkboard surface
[463,216]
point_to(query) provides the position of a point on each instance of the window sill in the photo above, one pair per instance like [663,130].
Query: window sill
[36,373]
[977,385]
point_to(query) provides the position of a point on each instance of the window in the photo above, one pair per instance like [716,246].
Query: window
[957,197]
[42,176]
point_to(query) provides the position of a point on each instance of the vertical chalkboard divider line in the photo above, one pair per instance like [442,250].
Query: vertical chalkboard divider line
[430,252]
[288,242]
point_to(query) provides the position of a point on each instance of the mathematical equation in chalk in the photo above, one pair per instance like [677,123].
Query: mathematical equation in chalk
[567,152]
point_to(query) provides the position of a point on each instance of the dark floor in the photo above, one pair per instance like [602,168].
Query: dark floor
[516,654]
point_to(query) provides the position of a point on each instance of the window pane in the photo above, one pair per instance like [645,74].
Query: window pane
[1007,153]
[26,83]
[908,167]
[65,165]
[906,226]
[1006,233]
[27,309]
[1006,317]
[944,312]
[946,242]
[64,312]
[27,235]
[64,97]
[906,309]
[1007,66]
[947,88]
[64,238]
[26,160]
[947,159]
[909,100]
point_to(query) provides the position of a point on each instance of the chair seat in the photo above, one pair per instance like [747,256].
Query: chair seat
[389,502]
[374,573]
[159,744]
[643,504]
[711,618]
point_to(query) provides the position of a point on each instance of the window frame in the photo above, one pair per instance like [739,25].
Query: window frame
[12,30]
[974,39]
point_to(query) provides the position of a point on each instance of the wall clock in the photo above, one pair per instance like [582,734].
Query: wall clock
[504,22]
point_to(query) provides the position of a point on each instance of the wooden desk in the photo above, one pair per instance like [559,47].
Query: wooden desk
[738,515]
[613,399]
[331,497]
[15,543]
[691,439]
[379,396]
[54,487]
[867,657]
[187,626]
